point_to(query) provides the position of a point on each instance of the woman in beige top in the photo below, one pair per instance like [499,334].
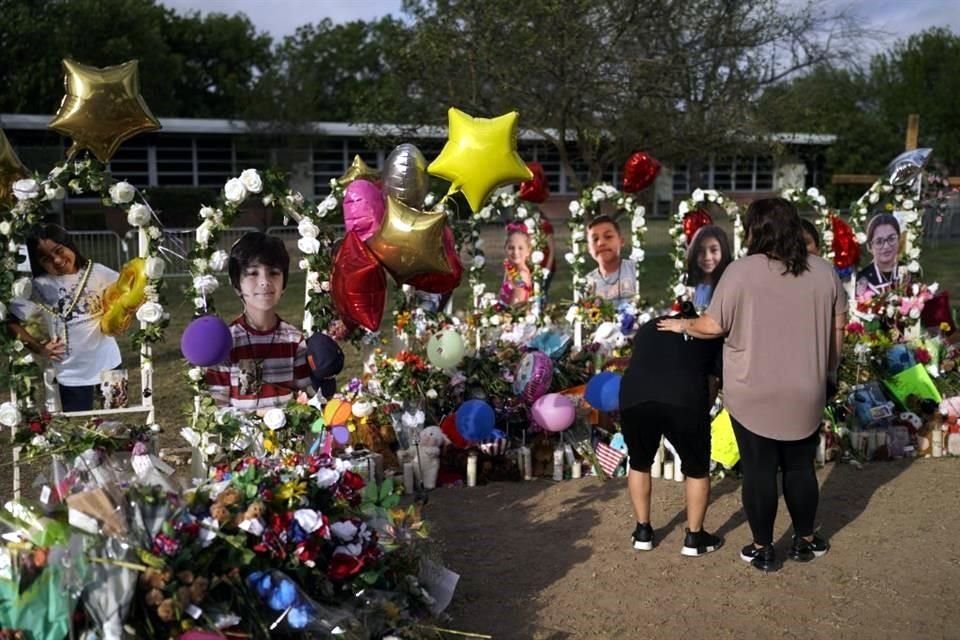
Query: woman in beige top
[782,313]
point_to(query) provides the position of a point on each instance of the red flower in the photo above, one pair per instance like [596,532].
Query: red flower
[36,426]
[922,355]
[343,566]
[855,327]
[352,480]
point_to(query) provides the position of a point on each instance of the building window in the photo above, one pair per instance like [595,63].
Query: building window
[214,161]
[328,162]
[175,161]
[681,179]
[131,163]
[752,173]
[744,174]
[763,180]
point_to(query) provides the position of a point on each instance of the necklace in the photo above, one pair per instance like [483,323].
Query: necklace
[251,369]
[66,313]
[882,282]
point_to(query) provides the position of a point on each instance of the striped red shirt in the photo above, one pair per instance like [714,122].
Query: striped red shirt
[266,368]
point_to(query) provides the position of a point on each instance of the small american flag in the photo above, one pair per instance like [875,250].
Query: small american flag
[609,458]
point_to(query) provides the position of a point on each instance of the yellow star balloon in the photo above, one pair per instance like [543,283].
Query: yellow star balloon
[11,170]
[410,242]
[102,108]
[359,170]
[480,155]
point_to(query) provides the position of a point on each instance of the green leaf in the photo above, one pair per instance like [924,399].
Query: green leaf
[390,501]
[386,489]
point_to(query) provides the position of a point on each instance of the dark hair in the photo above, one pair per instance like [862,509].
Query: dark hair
[695,274]
[604,219]
[258,247]
[811,230]
[772,226]
[54,233]
[880,219]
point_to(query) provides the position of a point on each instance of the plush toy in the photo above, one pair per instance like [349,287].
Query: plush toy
[426,456]
[870,406]
[541,457]
[950,406]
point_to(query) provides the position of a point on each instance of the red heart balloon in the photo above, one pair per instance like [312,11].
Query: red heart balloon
[437,282]
[358,284]
[449,427]
[536,189]
[639,171]
[846,249]
[692,222]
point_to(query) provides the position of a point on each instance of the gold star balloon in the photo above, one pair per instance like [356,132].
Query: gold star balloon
[359,170]
[410,242]
[480,155]
[11,170]
[102,108]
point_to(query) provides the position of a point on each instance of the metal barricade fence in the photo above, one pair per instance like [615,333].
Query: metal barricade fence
[177,243]
[104,247]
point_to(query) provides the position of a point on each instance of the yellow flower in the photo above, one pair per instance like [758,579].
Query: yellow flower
[269,445]
[945,327]
[292,490]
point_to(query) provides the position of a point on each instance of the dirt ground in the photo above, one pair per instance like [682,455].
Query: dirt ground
[543,560]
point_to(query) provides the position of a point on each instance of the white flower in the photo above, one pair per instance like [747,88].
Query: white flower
[597,194]
[431,394]
[822,201]
[326,477]
[27,359]
[274,419]
[479,243]
[861,237]
[362,409]
[26,189]
[684,208]
[307,229]
[205,284]
[204,233]
[304,264]
[914,313]
[697,195]
[122,192]
[195,374]
[308,519]
[268,200]
[637,254]
[327,205]
[75,186]
[907,204]
[54,192]
[3,311]
[207,212]
[679,289]
[138,215]
[57,170]
[574,207]
[5,228]
[309,246]
[199,303]
[154,232]
[478,289]
[150,312]
[9,414]
[537,257]
[913,266]
[398,365]
[478,262]
[874,198]
[154,267]
[234,191]
[40,442]
[495,320]
[813,192]
[678,264]
[199,264]
[569,257]
[344,530]
[530,225]
[910,216]
[578,234]
[251,180]
[22,288]
[219,260]
[914,253]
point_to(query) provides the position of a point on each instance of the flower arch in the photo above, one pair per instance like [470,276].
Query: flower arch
[905,203]
[587,206]
[697,200]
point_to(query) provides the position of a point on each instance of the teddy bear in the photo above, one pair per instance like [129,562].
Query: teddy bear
[426,456]
[541,457]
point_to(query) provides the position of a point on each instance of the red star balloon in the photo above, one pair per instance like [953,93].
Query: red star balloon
[358,284]
[438,282]
[692,222]
[536,189]
[639,171]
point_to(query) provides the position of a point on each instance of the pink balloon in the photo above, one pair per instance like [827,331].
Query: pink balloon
[554,412]
[362,208]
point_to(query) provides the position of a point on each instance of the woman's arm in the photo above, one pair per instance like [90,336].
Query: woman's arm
[53,349]
[703,327]
[836,345]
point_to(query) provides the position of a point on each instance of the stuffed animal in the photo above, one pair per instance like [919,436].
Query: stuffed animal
[541,457]
[870,407]
[426,456]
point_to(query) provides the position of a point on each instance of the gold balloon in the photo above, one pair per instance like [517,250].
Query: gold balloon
[410,242]
[102,108]
[480,155]
[359,170]
[11,170]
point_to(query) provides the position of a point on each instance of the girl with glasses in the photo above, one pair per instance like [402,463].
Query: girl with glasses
[883,242]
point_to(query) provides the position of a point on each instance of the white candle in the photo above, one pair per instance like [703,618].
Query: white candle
[668,470]
[576,470]
[936,445]
[558,464]
[472,470]
[657,467]
[527,463]
[408,478]
[677,473]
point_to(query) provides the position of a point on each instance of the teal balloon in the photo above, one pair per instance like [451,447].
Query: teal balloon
[445,349]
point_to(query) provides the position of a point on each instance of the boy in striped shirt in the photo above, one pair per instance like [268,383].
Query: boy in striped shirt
[268,361]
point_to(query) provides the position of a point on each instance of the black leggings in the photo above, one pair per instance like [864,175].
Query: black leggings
[760,460]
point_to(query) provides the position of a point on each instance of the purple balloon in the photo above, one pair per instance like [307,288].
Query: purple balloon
[534,376]
[554,412]
[341,434]
[206,341]
[362,208]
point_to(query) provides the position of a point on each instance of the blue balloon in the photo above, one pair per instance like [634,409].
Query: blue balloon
[300,616]
[603,391]
[284,595]
[475,420]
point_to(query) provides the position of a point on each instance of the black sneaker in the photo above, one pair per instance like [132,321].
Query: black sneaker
[762,558]
[807,550]
[643,537]
[698,543]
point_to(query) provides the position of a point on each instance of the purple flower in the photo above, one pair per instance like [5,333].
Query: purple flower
[355,385]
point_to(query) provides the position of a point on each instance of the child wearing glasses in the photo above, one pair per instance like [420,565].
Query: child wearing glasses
[883,242]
